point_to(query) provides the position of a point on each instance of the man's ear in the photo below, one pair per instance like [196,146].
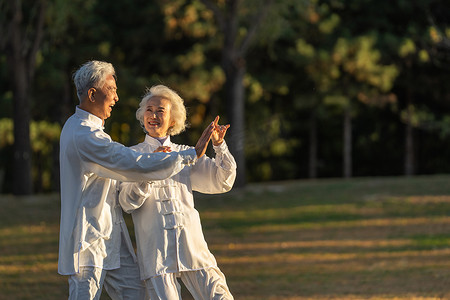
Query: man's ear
[91,93]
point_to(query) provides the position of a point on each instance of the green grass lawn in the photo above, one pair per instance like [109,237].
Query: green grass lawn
[363,238]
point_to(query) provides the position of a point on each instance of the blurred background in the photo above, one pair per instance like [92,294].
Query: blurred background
[352,93]
[312,89]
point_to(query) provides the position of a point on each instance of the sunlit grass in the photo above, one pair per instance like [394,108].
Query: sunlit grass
[364,238]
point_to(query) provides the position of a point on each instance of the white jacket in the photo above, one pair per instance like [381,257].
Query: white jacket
[168,231]
[90,164]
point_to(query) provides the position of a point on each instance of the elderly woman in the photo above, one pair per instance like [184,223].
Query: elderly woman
[169,236]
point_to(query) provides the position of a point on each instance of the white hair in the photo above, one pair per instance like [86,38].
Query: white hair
[177,111]
[92,74]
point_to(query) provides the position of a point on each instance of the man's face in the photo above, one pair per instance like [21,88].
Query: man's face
[105,98]
[157,117]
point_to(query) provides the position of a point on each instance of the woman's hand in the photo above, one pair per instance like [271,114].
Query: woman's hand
[203,141]
[219,132]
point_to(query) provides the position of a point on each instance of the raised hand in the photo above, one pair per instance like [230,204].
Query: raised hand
[219,132]
[203,141]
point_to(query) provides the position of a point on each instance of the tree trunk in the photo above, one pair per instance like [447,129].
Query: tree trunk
[409,150]
[21,50]
[312,170]
[409,138]
[347,147]
[234,93]
[409,141]
[22,177]
[233,63]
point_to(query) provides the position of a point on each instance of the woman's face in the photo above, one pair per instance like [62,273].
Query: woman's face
[157,117]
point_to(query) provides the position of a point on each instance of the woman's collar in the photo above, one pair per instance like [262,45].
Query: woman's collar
[157,141]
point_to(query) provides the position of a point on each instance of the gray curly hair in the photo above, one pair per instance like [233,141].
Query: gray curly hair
[92,74]
[177,111]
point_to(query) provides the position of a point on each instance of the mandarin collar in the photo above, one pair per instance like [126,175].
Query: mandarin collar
[94,120]
[154,142]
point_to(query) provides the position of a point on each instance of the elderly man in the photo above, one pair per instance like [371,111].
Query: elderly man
[94,246]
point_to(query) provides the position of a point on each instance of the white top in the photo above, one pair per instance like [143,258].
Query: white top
[168,231]
[90,164]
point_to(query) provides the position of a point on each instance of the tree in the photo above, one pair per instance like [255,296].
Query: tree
[22,31]
[178,51]
[347,72]
[234,54]
[419,47]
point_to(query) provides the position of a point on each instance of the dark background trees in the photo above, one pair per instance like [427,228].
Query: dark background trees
[22,32]
[312,88]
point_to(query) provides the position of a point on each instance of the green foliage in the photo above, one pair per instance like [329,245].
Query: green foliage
[6,133]
[43,135]
[407,47]
[311,59]
[44,138]
[351,68]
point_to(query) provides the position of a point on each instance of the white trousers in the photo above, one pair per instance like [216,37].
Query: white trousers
[205,284]
[123,283]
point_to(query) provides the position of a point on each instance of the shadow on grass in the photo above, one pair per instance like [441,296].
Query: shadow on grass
[364,238]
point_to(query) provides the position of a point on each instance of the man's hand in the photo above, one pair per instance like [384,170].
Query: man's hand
[219,132]
[163,149]
[203,141]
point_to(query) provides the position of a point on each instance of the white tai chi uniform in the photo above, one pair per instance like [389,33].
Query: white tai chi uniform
[93,236]
[169,236]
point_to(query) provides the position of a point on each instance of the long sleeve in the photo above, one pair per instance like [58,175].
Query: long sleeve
[90,163]
[214,175]
[133,194]
[109,159]
[168,230]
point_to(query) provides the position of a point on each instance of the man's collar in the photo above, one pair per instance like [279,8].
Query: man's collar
[84,115]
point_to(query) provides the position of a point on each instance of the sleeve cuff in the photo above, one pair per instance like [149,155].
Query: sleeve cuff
[144,189]
[189,156]
[221,148]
